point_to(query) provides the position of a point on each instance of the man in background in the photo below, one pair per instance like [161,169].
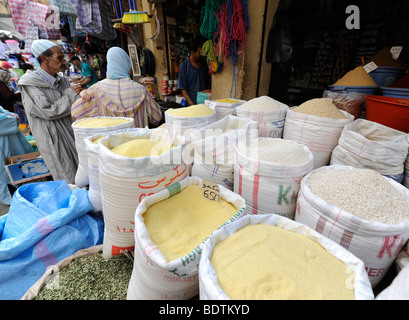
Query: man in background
[193,74]
[88,74]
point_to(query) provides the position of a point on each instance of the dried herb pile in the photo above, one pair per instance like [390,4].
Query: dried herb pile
[90,278]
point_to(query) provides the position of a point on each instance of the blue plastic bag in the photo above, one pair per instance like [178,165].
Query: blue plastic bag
[46,223]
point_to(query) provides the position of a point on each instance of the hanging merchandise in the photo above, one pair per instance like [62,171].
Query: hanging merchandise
[133,16]
[118,24]
[148,63]
[231,38]
[27,13]
[65,7]
[94,18]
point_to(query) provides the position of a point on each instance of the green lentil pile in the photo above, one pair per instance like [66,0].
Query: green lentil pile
[91,278]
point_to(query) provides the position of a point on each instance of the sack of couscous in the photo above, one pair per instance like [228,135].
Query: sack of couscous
[91,146]
[132,166]
[171,228]
[270,257]
[90,126]
[361,210]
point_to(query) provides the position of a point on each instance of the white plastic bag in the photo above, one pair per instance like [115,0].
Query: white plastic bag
[398,289]
[377,244]
[210,289]
[319,134]
[126,181]
[367,144]
[268,187]
[153,277]
[80,133]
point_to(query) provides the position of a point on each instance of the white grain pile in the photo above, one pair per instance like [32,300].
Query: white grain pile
[263,103]
[320,107]
[278,151]
[362,192]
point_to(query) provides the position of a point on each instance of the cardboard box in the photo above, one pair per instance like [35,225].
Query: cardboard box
[26,168]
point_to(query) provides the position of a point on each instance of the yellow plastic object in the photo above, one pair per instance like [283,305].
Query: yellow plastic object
[135,17]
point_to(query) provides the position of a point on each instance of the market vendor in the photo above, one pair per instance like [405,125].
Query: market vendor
[47,99]
[89,77]
[193,74]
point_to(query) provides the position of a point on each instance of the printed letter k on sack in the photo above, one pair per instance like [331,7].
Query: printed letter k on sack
[388,245]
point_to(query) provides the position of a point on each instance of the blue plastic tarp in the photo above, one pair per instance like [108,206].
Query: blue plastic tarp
[46,223]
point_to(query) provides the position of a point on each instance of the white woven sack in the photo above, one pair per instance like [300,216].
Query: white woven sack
[214,148]
[210,289]
[319,134]
[270,123]
[406,177]
[402,260]
[184,126]
[224,109]
[216,143]
[367,144]
[269,187]
[94,191]
[80,133]
[126,181]
[377,244]
[216,173]
[398,289]
[155,278]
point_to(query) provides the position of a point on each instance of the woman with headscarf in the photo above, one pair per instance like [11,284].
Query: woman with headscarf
[118,95]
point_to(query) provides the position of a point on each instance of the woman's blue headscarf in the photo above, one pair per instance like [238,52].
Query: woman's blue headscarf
[118,64]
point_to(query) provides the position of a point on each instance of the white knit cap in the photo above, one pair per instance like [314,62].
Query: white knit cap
[39,46]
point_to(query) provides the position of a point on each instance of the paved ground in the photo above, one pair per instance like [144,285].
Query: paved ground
[3,209]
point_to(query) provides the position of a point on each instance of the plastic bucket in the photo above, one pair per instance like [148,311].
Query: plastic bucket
[395,92]
[386,76]
[389,111]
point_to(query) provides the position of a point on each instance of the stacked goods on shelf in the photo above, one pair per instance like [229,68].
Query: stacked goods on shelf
[268,172]
[318,124]
[171,228]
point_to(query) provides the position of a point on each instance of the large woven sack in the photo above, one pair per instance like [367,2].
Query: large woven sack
[80,133]
[319,134]
[126,181]
[367,144]
[266,186]
[153,277]
[209,286]
[375,243]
